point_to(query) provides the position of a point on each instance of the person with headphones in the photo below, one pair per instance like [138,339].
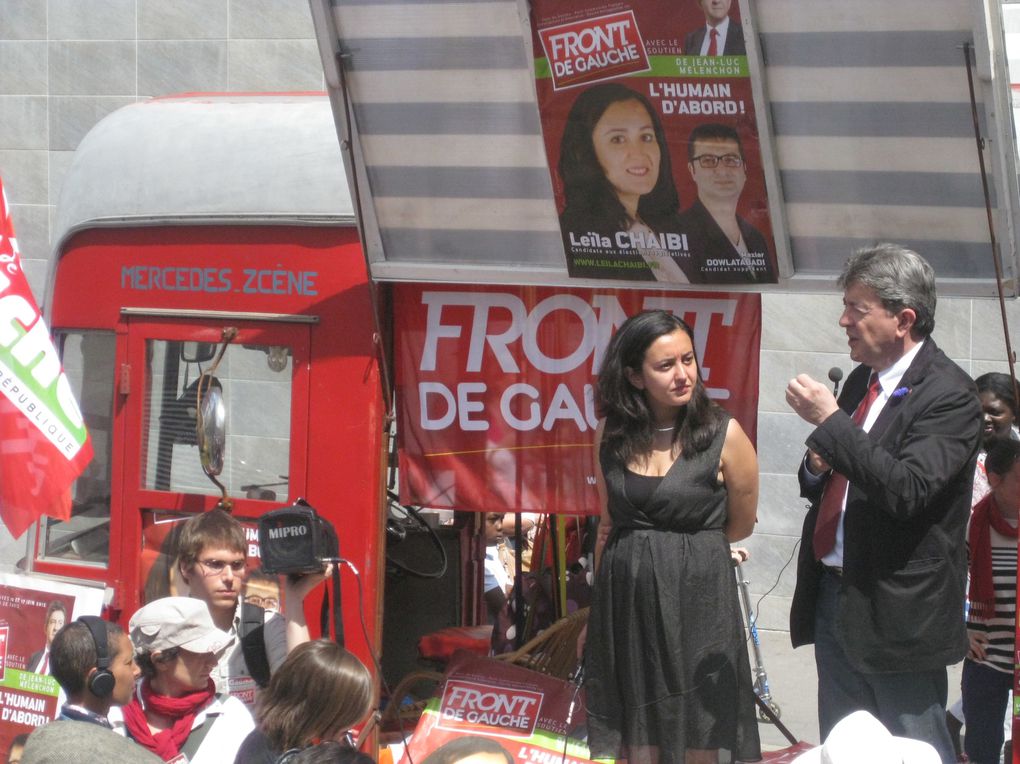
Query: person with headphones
[94,661]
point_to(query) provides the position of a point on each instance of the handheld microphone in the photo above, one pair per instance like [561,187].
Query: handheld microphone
[578,676]
[835,375]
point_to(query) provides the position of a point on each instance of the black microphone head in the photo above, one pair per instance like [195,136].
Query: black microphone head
[835,374]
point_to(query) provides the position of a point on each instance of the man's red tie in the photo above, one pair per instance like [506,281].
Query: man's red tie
[713,45]
[832,498]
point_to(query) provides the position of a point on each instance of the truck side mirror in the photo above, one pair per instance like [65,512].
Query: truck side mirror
[211,427]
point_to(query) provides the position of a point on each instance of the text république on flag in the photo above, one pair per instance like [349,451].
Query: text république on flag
[44,445]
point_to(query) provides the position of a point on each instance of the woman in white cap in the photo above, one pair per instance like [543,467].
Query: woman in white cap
[175,709]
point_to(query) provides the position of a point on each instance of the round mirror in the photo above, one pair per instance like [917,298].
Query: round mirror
[212,428]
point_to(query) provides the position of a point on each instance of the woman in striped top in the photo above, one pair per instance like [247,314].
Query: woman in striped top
[992,546]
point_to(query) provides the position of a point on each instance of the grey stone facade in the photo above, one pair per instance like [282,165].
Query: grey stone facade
[65,64]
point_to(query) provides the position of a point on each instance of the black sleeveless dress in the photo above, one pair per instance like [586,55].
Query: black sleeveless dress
[666,659]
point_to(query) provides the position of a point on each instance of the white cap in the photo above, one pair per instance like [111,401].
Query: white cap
[860,737]
[177,622]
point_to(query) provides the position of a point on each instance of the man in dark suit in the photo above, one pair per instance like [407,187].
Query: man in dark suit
[720,36]
[56,615]
[882,566]
[724,248]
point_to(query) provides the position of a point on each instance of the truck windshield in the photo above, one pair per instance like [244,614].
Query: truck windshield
[88,359]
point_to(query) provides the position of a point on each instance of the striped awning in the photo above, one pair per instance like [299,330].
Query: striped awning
[863,108]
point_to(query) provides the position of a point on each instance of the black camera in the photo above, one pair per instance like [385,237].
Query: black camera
[296,539]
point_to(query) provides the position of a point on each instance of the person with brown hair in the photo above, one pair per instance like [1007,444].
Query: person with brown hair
[319,693]
[212,561]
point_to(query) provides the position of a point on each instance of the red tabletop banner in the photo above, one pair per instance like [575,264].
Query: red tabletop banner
[495,386]
[485,706]
[648,118]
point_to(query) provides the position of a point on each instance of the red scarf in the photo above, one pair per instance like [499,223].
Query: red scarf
[985,516]
[183,710]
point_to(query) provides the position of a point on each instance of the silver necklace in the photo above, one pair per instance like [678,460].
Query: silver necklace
[664,429]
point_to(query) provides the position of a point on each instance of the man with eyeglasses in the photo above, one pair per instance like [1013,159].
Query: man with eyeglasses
[212,561]
[725,248]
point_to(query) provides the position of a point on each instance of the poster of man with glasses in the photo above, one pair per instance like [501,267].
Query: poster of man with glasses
[653,149]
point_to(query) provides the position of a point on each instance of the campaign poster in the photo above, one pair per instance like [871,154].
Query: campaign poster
[495,386]
[485,706]
[32,611]
[651,137]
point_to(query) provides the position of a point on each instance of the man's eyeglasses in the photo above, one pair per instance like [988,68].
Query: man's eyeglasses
[212,567]
[269,603]
[711,161]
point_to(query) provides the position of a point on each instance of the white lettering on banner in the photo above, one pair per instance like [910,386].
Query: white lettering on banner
[465,407]
[34,410]
[468,398]
[703,310]
[590,39]
[460,406]
[482,304]
[598,321]
[534,353]
[501,702]
[523,406]
[534,410]
[29,347]
[425,391]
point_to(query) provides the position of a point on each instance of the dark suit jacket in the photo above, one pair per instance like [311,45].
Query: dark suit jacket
[34,659]
[904,551]
[707,242]
[734,41]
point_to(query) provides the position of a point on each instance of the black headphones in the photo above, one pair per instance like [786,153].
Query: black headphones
[102,680]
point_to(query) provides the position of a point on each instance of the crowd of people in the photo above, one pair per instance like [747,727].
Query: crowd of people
[204,678]
[907,564]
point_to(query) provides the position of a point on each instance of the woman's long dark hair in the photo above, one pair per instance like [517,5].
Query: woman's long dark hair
[629,426]
[591,201]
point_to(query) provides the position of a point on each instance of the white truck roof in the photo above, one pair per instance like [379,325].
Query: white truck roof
[208,159]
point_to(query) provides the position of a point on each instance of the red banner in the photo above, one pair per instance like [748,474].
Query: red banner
[43,442]
[650,131]
[495,386]
[485,706]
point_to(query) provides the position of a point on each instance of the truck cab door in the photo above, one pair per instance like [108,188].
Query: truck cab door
[264,375]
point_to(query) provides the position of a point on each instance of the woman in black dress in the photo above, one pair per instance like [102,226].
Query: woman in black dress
[668,678]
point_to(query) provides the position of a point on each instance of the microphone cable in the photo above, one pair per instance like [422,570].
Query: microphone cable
[577,679]
[375,660]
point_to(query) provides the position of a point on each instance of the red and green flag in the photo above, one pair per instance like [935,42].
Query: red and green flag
[44,445]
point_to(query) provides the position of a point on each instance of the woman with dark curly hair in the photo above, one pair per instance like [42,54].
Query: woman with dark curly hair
[618,186]
[668,678]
